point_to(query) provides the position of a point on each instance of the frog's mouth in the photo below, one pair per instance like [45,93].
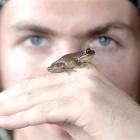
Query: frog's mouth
[49,69]
[52,69]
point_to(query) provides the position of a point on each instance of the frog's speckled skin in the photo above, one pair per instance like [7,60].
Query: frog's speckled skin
[70,61]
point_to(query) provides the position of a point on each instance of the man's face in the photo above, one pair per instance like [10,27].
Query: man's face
[34,33]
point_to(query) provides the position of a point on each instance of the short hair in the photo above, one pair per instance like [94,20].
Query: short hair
[2,2]
[136,3]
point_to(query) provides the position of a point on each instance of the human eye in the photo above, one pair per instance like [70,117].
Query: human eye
[103,42]
[35,41]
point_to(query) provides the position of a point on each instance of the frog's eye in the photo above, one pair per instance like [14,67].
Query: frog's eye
[90,51]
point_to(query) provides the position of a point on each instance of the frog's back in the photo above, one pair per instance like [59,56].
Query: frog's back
[69,59]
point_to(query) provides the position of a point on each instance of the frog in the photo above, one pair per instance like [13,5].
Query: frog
[71,61]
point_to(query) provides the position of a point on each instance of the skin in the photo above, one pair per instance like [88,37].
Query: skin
[91,104]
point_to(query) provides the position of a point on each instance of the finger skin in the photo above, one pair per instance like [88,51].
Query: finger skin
[89,102]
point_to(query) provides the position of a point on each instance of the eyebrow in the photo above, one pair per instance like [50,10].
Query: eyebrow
[104,29]
[98,30]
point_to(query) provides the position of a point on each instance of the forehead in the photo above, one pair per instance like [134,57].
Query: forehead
[69,5]
[69,13]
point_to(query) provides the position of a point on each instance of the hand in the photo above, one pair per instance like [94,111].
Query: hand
[85,98]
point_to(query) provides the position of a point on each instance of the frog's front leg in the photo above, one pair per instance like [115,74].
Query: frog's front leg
[69,70]
[81,64]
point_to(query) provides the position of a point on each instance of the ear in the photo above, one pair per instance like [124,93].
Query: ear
[0,74]
[0,82]
[2,2]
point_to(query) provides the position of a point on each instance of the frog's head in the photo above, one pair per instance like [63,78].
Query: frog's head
[87,55]
[56,67]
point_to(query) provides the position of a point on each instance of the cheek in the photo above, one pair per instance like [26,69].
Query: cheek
[16,66]
[124,73]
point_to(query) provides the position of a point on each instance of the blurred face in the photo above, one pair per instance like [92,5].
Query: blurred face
[34,33]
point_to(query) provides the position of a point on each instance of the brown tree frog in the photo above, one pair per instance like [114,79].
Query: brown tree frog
[69,62]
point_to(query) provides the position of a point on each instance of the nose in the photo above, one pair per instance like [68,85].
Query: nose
[70,45]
